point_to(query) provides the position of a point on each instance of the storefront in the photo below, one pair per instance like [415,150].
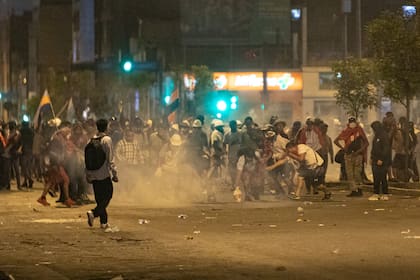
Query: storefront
[283,95]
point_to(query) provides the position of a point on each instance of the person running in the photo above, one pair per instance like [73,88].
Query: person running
[100,177]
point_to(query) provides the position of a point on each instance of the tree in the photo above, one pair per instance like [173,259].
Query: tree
[394,40]
[204,83]
[355,83]
[395,45]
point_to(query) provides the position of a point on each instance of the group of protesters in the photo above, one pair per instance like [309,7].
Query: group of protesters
[250,158]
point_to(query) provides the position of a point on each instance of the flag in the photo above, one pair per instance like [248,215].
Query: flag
[44,105]
[173,106]
[71,112]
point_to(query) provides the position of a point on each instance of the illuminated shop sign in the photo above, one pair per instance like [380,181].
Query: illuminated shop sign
[255,81]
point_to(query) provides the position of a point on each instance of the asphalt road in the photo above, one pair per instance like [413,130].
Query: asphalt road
[339,239]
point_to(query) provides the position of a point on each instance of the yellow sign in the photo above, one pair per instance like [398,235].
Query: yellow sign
[255,81]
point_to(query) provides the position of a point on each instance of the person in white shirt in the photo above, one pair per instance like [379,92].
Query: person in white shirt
[310,167]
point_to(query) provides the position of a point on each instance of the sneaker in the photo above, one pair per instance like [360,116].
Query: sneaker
[293,196]
[374,197]
[43,201]
[384,197]
[90,218]
[69,202]
[105,226]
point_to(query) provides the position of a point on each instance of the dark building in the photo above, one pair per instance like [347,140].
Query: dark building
[106,32]
[326,26]
[236,34]
[54,39]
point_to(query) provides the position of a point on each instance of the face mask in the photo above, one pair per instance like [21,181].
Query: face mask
[352,125]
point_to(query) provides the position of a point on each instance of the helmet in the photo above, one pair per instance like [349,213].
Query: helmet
[217,123]
[197,123]
[184,123]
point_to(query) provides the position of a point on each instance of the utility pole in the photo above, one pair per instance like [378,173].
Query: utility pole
[304,35]
[346,9]
[359,27]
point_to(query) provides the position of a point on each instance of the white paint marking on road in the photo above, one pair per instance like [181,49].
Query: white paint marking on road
[53,221]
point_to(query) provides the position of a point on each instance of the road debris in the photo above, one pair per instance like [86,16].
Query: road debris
[144,221]
[412,237]
[321,225]
[44,263]
[379,209]
[272,226]
[210,218]
[300,210]
[281,268]
[405,231]
[366,212]
[196,232]
[119,277]
[182,216]
[188,237]
[237,225]
[336,251]
[112,229]
[308,203]
[302,220]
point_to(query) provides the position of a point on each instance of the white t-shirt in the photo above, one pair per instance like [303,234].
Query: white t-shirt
[279,147]
[312,159]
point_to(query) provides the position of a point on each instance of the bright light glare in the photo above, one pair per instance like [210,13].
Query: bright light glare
[221,105]
[219,116]
[234,99]
[127,66]
[25,118]
[167,99]
[233,106]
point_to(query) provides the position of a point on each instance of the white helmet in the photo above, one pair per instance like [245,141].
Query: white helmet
[197,123]
[217,123]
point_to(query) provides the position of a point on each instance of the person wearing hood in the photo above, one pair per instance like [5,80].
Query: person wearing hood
[355,144]
[379,156]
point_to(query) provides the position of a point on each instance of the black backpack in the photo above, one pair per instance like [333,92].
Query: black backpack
[94,154]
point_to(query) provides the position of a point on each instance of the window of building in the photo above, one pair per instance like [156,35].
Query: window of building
[326,80]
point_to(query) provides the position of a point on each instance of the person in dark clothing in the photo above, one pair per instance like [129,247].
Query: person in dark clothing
[26,157]
[233,141]
[3,183]
[197,147]
[380,161]
[101,178]
[12,152]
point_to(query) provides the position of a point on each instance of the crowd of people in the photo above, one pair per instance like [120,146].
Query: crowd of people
[251,158]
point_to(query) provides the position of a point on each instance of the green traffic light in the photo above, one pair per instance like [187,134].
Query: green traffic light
[127,66]
[221,105]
